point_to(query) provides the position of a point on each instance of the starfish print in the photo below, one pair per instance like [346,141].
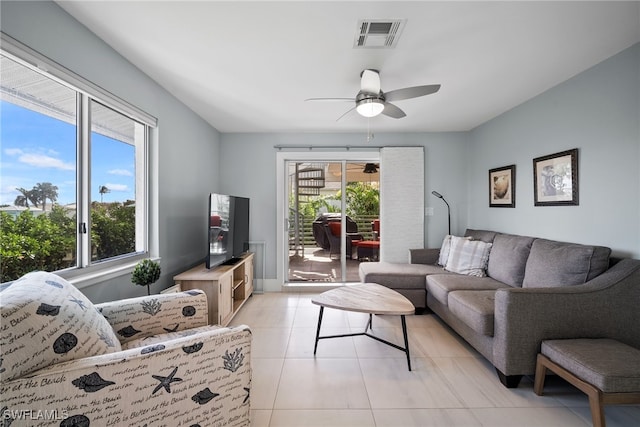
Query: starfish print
[165,382]
[79,302]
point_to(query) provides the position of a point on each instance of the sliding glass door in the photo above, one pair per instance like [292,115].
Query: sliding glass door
[332,207]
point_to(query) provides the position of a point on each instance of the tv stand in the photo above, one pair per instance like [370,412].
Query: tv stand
[227,286]
[232,261]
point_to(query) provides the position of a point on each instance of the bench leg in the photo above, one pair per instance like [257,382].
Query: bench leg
[595,395]
[597,409]
[541,373]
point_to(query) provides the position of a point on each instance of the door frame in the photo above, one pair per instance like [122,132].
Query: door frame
[282,157]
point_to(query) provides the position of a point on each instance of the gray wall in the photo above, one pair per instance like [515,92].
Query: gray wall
[249,170]
[597,112]
[187,148]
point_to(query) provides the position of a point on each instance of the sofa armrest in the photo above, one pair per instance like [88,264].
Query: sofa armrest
[606,306]
[424,256]
[141,317]
[197,379]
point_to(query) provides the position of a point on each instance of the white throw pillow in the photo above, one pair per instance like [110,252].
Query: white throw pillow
[445,249]
[469,257]
[46,320]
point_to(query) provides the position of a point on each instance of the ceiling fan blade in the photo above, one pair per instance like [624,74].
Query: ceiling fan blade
[370,82]
[411,92]
[393,111]
[330,99]
[348,111]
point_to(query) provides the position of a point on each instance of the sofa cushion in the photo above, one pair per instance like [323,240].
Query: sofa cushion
[46,320]
[508,258]
[482,235]
[475,309]
[468,257]
[397,275]
[554,263]
[605,363]
[439,285]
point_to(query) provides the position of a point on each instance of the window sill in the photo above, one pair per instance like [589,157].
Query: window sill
[89,277]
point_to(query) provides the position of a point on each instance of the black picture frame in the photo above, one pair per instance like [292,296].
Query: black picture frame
[555,179]
[502,187]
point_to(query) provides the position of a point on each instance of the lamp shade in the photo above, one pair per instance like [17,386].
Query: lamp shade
[370,107]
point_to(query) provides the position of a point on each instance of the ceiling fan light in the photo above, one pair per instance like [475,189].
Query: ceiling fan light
[370,107]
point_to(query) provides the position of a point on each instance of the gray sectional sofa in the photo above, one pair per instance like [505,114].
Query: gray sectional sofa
[534,289]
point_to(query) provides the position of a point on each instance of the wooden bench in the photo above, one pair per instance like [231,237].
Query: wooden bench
[607,370]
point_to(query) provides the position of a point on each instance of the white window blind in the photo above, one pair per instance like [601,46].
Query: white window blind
[401,202]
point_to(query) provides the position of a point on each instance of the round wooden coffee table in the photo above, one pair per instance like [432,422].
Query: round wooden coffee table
[366,298]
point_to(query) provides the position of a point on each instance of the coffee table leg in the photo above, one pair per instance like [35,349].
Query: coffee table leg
[369,323]
[406,339]
[315,347]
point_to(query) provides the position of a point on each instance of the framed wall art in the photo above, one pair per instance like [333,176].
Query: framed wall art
[502,187]
[555,179]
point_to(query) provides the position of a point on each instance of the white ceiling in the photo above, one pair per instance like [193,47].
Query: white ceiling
[248,66]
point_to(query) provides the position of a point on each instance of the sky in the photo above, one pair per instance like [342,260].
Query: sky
[35,148]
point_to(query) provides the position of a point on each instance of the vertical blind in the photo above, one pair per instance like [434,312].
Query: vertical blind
[401,202]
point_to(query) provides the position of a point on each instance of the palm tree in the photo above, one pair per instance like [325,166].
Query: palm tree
[25,197]
[103,190]
[46,190]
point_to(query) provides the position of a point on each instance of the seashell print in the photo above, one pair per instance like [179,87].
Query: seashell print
[54,284]
[107,338]
[174,329]
[91,383]
[204,396]
[192,348]
[48,310]
[151,307]
[188,311]
[152,348]
[128,332]
[79,302]
[233,361]
[165,382]
[64,343]
[76,421]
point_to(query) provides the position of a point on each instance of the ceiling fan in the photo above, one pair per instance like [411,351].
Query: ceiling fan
[372,101]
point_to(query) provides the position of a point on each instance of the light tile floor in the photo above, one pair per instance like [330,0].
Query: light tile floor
[357,381]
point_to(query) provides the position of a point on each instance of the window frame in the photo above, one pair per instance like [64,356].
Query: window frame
[86,272]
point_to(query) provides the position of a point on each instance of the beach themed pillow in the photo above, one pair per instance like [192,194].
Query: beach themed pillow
[46,320]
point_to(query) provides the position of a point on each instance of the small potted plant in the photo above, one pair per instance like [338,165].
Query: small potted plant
[145,273]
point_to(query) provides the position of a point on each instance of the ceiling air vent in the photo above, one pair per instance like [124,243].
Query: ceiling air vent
[378,33]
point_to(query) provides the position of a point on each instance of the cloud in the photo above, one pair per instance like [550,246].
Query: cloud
[121,172]
[13,151]
[117,187]
[43,161]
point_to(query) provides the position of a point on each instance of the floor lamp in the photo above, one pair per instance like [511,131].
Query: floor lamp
[439,196]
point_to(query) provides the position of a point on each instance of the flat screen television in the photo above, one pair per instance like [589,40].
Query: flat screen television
[228,227]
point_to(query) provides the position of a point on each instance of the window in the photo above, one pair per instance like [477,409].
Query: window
[74,178]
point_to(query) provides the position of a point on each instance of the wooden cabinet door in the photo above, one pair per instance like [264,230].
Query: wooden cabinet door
[248,290]
[225,298]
